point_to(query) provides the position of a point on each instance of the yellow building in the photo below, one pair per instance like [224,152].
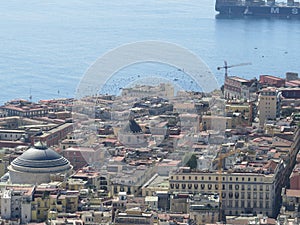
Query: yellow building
[76,184]
[268,105]
[41,204]
[244,109]
[48,201]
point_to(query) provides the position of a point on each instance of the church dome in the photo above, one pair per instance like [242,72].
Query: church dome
[40,156]
[37,164]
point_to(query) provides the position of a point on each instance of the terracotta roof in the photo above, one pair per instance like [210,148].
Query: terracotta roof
[293,193]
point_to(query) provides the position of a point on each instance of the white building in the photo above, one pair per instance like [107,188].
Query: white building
[16,203]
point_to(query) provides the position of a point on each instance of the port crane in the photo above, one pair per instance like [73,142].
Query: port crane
[226,66]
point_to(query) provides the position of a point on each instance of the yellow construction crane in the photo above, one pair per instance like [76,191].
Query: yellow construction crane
[226,67]
[220,159]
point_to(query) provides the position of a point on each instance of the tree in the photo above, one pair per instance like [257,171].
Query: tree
[192,162]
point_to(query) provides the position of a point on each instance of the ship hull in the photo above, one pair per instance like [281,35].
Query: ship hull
[243,10]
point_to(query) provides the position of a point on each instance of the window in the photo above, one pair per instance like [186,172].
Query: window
[254,195]
[236,195]
[242,203]
[237,187]
[267,195]
[248,195]
[230,186]
[267,204]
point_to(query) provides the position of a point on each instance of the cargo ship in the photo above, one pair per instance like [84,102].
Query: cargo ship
[289,9]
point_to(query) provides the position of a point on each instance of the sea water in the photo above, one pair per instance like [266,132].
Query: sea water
[47,46]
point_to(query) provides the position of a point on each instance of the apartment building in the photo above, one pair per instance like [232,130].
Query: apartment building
[134,216]
[240,192]
[268,105]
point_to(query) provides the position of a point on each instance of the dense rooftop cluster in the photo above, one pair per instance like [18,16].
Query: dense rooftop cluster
[149,157]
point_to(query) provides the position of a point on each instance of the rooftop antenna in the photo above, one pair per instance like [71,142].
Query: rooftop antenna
[30,96]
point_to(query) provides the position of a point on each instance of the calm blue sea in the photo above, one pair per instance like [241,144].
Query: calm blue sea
[46,46]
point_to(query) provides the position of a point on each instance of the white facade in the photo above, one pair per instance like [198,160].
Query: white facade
[6,204]
[16,204]
[132,139]
[11,135]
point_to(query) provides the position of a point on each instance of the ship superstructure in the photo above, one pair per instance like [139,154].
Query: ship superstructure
[287,9]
